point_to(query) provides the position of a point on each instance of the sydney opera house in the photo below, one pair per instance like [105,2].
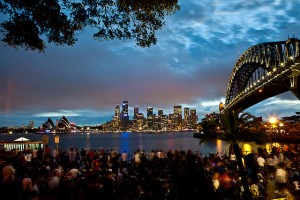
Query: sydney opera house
[61,126]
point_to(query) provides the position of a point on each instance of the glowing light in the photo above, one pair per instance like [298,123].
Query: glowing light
[273,120]
[219,146]
[247,148]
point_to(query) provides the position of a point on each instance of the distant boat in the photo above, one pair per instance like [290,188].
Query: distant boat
[42,132]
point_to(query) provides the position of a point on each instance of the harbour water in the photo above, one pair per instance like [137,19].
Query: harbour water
[130,142]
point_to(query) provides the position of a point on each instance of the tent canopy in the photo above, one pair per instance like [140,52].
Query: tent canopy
[21,139]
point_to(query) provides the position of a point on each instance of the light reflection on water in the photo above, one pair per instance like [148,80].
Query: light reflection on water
[130,142]
[87,141]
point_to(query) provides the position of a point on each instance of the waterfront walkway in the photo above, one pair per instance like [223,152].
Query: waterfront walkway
[106,174]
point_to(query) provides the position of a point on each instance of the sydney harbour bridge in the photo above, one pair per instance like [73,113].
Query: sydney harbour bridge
[263,71]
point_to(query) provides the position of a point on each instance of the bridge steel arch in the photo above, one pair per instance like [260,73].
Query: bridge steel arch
[263,71]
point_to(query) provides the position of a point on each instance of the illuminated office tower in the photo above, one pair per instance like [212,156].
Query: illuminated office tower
[140,121]
[150,117]
[149,111]
[186,115]
[117,118]
[135,124]
[117,111]
[164,123]
[186,118]
[193,117]
[125,107]
[136,111]
[178,111]
[160,112]
[158,120]
[124,115]
[178,117]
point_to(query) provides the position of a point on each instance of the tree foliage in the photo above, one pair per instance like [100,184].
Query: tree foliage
[30,22]
[235,127]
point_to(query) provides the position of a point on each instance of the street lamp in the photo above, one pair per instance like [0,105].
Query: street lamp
[273,120]
[56,141]
[281,127]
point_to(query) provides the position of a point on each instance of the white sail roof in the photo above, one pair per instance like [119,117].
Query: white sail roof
[21,139]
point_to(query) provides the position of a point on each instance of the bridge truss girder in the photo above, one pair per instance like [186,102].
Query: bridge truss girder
[263,71]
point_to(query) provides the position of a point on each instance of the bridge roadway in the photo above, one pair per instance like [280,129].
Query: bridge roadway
[263,71]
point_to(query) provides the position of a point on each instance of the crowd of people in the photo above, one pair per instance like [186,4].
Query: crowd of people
[107,174]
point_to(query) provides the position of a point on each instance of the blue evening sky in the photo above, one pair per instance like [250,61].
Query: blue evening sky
[190,66]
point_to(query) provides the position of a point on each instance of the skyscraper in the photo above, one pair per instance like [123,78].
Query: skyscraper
[149,111]
[117,111]
[193,117]
[150,117]
[136,111]
[178,117]
[124,115]
[117,118]
[160,112]
[125,108]
[186,115]
[178,111]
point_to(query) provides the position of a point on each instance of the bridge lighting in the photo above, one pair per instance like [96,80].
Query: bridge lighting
[274,69]
[282,64]
[263,78]
[221,106]
[269,73]
[292,57]
[260,90]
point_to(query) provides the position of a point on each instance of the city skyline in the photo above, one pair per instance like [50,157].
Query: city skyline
[190,66]
[114,114]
